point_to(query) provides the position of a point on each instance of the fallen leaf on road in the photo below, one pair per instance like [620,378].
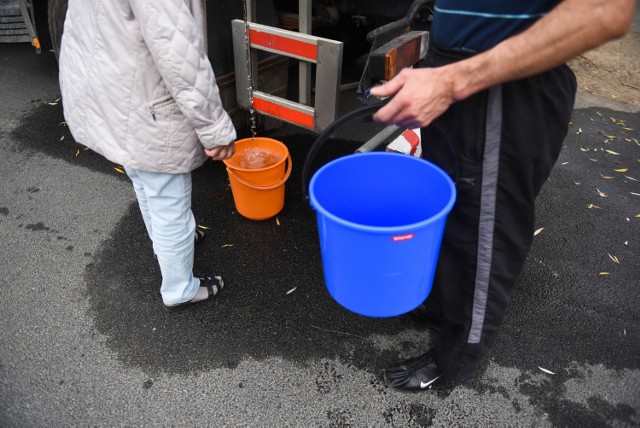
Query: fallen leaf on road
[292,290]
[621,170]
[590,206]
[120,170]
[538,231]
[226,245]
[603,273]
[611,137]
[546,370]
[614,259]
[611,152]
[203,227]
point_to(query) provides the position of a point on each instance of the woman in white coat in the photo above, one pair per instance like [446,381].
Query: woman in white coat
[138,88]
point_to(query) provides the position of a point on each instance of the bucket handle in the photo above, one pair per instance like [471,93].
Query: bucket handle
[364,111]
[269,187]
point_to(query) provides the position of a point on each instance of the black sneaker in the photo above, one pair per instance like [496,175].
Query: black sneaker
[416,374]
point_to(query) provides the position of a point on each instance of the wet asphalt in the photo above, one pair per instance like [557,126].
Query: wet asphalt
[84,339]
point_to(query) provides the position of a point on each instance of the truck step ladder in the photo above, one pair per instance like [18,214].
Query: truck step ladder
[17,23]
[325,54]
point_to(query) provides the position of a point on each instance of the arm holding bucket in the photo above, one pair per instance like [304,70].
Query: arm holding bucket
[572,28]
[175,39]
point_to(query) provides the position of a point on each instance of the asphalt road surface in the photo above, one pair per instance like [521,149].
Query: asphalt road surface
[84,340]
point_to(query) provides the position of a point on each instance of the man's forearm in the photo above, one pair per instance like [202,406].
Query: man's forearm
[572,28]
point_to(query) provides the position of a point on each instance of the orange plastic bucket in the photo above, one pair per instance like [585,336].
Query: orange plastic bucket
[257,173]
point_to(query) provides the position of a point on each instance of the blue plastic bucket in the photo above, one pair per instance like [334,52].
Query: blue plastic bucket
[381,217]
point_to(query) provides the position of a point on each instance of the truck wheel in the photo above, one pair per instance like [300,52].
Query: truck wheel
[57,12]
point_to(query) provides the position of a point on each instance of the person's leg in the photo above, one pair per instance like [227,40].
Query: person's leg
[199,235]
[142,198]
[165,202]
[454,142]
[530,120]
[490,230]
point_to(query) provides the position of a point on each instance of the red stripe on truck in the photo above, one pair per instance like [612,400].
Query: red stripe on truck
[284,113]
[283,44]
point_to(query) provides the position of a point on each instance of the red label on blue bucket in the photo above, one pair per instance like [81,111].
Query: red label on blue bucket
[404,237]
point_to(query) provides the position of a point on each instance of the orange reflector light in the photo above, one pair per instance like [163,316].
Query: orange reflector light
[284,44]
[36,43]
[401,56]
[401,52]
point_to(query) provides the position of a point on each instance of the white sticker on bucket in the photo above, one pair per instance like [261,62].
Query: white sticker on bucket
[404,237]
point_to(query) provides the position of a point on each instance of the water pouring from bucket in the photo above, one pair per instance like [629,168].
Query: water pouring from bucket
[381,218]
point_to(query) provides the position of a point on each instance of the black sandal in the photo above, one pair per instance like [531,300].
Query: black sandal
[213,286]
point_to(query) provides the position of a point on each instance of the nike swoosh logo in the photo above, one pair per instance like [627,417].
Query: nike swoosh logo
[424,385]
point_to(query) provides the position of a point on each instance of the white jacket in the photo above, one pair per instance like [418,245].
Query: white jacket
[137,86]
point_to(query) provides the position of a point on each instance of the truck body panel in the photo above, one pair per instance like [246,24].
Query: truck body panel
[343,31]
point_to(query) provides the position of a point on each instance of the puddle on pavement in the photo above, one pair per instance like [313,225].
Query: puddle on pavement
[44,131]
[261,262]
[257,315]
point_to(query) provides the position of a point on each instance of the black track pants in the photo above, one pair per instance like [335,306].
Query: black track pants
[499,146]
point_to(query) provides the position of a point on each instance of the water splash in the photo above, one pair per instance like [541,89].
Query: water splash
[255,158]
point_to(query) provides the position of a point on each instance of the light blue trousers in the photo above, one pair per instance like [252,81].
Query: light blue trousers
[165,203]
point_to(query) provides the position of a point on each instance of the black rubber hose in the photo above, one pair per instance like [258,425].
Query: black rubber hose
[409,17]
[322,138]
